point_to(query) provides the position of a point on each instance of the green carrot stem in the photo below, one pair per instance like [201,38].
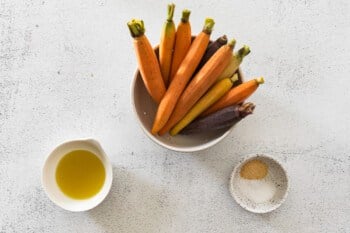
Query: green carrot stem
[185,15]
[208,25]
[136,27]
[242,52]
[171,9]
[169,26]
[232,43]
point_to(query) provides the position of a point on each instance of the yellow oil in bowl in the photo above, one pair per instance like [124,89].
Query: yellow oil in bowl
[80,174]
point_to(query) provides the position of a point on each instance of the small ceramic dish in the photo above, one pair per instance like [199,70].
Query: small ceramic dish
[276,182]
[49,175]
[145,110]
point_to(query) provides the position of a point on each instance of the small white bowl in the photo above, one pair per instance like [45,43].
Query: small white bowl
[49,175]
[145,109]
[277,175]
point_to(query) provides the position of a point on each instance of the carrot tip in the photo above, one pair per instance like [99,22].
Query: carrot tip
[242,52]
[260,80]
[246,109]
[234,77]
[185,15]
[173,132]
[208,25]
[171,9]
[232,43]
[222,39]
[136,27]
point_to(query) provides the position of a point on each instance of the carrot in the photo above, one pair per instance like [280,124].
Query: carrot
[182,76]
[212,48]
[147,61]
[235,61]
[236,95]
[166,44]
[201,82]
[182,42]
[214,93]
[220,120]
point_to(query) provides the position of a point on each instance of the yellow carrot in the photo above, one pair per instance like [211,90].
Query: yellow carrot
[235,61]
[182,42]
[215,93]
[147,61]
[182,76]
[166,44]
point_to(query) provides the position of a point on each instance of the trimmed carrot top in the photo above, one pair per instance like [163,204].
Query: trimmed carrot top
[208,25]
[185,15]
[232,43]
[242,52]
[136,27]
[171,9]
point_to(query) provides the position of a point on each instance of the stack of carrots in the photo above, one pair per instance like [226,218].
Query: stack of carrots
[194,82]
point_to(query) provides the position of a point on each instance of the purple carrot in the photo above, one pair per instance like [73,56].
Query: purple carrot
[222,119]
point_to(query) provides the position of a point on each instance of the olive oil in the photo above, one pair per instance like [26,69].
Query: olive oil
[80,174]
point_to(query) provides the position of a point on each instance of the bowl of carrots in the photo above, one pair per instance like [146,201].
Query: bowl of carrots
[188,92]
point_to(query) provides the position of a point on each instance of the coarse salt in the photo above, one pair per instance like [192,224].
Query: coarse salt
[257,190]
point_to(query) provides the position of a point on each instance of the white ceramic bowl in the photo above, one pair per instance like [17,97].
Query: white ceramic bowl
[277,176]
[49,175]
[145,110]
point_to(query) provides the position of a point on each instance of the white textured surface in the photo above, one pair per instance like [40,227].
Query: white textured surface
[65,70]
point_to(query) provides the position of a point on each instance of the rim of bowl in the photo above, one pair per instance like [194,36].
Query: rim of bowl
[249,157]
[174,148]
[108,162]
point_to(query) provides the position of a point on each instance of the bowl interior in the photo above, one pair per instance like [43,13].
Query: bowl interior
[49,176]
[276,174]
[145,109]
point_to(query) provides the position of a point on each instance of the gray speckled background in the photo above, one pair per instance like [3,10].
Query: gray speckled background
[65,71]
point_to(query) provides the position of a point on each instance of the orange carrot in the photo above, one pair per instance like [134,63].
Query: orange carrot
[235,95]
[166,44]
[182,76]
[182,42]
[147,61]
[201,82]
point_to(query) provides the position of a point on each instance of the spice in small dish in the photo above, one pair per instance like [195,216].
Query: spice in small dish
[259,195]
[254,169]
[254,182]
